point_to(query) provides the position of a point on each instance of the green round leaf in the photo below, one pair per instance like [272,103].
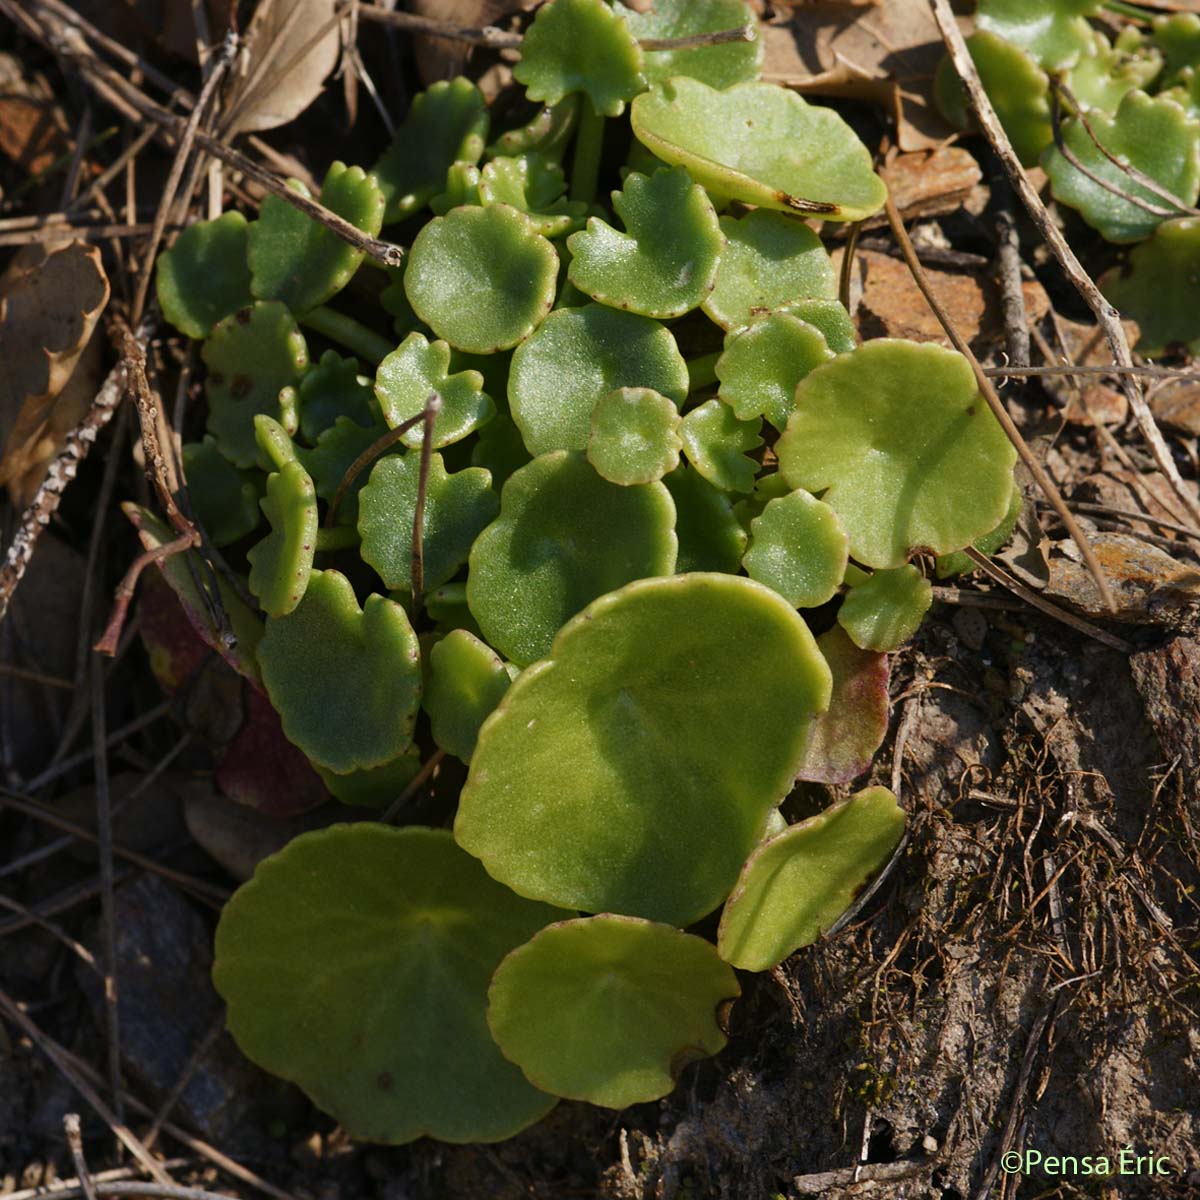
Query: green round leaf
[1054,32]
[356,963]
[564,536]
[711,538]
[844,739]
[203,277]
[796,885]
[1157,288]
[252,357]
[296,259]
[713,440]
[415,369]
[457,507]
[769,261]
[799,548]
[665,263]
[580,46]
[635,436]
[885,610]
[446,124]
[831,318]
[664,727]
[763,145]
[649,996]
[481,278]
[578,355]
[1102,77]
[762,364]
[467,679]
[719,66]
[345,681]
[376,787]
[224,499]
[1017,87]
[904,448]
[1154,135]
[500,449]
[333,388]
[281,563]
[535,186]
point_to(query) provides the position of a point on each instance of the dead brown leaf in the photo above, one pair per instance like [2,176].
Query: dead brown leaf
[885,52]
[291,48]
[1177,403]
[31,127]
[48,313]
[892,305]
[440,59]
[929,183]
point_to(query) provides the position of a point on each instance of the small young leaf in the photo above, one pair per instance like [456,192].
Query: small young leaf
[648,996]
[546,133]
[614,735]
[769,262]
[333,388]
[635,436]
[446,124]
[763,145]
[535,186]
[481,278]
[710,536]
[1103,76]
[580,46]
[578,355]
[253,358]
[376,787]
[457,507]
[356,963]
[275,445]
[345,681]
[1017,87]
[281,563]
[203,277]
[1054,32]
[714,439]
[297,260]
[903,447]
[762,364]
[845,738]
[462,187]
[1178,35]
[1152,134]
[795,886]
[831,318]
[665,263]
[884,611]
[467,679]
[799,548]
[1157,288]
[720,66]
[224,499]
[564,536]
[411,372]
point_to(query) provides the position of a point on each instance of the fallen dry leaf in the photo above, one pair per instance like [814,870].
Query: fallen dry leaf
[886,52]
[31,126]
[1176,403]
[929,183]
[893,306]
[292,46]
[48,314]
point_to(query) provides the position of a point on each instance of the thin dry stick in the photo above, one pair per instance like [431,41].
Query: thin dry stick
[999,411]
[376,448]
[433,406]
[61,471]
[1015,586]
[415,785]
[1106,315]
[30,917]
[1191,376]
[75,1143]
[65,1187]
[1132,515]
[190,128]
[54,1053]
[165,1191]
[104,842]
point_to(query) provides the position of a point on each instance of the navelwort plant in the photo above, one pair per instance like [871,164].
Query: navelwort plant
[652,440]
[1127,151]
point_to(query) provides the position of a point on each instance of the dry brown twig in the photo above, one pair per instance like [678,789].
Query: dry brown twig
[1106,315]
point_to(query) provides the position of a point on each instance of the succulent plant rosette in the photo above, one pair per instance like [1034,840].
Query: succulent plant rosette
[1115,125]
[599,498]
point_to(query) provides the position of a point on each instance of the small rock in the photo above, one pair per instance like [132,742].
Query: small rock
[1168,679]
[147,821]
